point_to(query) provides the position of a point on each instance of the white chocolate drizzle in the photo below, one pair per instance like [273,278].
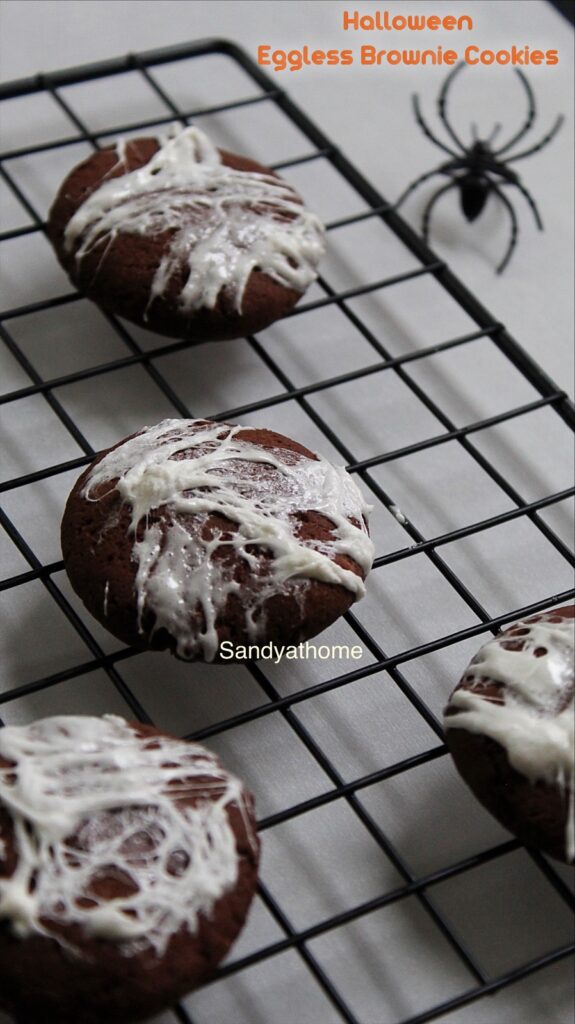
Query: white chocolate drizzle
[535,722]
[223,223]
[260,490]
[89,798]
[398,514]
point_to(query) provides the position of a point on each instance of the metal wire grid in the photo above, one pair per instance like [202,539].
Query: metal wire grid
[379,212]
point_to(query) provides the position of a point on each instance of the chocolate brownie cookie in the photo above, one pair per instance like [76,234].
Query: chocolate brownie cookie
[128,860]
[184,239]
[509,728]
[191,532]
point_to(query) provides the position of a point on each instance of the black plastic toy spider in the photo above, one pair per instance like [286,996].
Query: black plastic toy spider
[479,170]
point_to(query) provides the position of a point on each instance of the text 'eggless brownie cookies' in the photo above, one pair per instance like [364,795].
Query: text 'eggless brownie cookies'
[509,727]
[184,239]
[128,861]
[191,533]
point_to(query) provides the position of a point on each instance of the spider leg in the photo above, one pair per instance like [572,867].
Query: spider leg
[531,112]
[442,104]
[514,230]
[494,132]
[429,207]
[442,169]
[546,138]
[426,130]
[529,199]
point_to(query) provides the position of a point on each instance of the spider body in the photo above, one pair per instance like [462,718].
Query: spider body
[473,193]
[478,170]
[474,183]
[477,176]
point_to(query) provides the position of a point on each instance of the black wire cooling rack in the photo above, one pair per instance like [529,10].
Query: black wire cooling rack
[417,895]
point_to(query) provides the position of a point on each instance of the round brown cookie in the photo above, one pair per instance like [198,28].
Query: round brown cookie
[192,533]
[184,247]
[140,873]
[509,728]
